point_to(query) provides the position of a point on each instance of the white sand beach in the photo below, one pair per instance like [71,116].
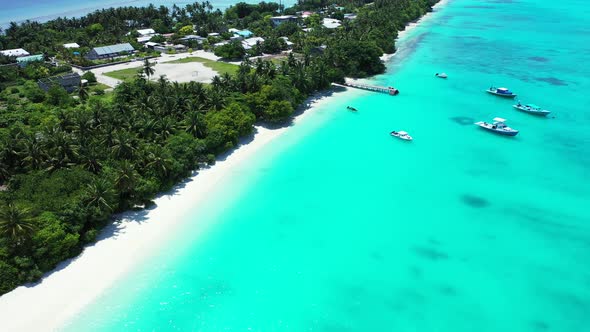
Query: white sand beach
[61,294]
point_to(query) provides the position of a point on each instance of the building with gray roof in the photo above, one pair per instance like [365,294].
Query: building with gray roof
[70,82]
[111,51]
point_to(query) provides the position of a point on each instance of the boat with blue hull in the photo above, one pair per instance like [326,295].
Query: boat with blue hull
[498,126]
[501,92]
[531,109]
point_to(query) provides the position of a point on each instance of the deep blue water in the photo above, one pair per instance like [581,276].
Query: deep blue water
[43,10]
[337,226]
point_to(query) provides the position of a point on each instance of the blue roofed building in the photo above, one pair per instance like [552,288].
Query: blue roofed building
[244,33]
[24,60]
[111,51]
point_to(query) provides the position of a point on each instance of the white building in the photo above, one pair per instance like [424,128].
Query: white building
[146,32]
[331,23]
[144,39]
[199,39]
[287,41]
[225,42]
[251,42]
[145,35]
[71,45]
[17,52]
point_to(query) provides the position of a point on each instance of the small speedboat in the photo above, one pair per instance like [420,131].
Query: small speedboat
[441,75]
[350,108]
[401,134]
[531,109]
[502,92]
[393,91]
[498,126]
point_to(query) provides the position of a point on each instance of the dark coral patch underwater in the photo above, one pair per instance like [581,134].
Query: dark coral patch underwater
[474,201]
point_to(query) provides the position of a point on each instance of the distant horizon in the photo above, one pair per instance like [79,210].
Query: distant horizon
[48,10]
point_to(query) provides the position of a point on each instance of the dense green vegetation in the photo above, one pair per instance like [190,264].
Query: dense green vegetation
[69,161]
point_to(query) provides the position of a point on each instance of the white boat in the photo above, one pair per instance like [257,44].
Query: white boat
[498,126]
[402,135]
[441,75]
[502,92]
[531,109]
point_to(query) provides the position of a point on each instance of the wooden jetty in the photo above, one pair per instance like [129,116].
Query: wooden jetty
[389,90]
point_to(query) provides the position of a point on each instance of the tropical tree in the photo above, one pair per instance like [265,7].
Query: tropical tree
[123,145]
[83,92]
[100,194]
[89,158]
[148,68]
[126,178]
[33,152]
[61,148]
[195,125]
[16,224]
[158,161]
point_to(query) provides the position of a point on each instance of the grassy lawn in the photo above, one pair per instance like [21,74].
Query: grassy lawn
[98,86]
[126,74]
[219,66]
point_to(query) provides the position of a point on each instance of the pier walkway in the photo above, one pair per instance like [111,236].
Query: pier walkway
[351,84]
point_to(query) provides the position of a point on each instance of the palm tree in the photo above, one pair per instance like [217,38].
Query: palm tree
[4,171]
[34,152]
[90,158]
[196,90]
[216,82]
[148,68]
[83,92]
[158,161]
[227,82]
[126,178]
[195,125]
[123,145]
[216,99]
[9,150]
[61,148]
[165,127]
[16,224]
[100,195]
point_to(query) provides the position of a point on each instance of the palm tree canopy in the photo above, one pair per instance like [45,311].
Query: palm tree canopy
[16,223]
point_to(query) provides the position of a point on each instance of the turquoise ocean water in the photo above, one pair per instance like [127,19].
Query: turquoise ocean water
[43,10]
[337,226]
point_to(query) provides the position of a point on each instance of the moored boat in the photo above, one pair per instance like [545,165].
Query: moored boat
[441,75]
[350,108]
[393,91]
[498,126]
[531,109]
[402,135]
[502,92]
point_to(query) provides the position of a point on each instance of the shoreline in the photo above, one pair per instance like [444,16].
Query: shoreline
[126,242]
[411,26]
